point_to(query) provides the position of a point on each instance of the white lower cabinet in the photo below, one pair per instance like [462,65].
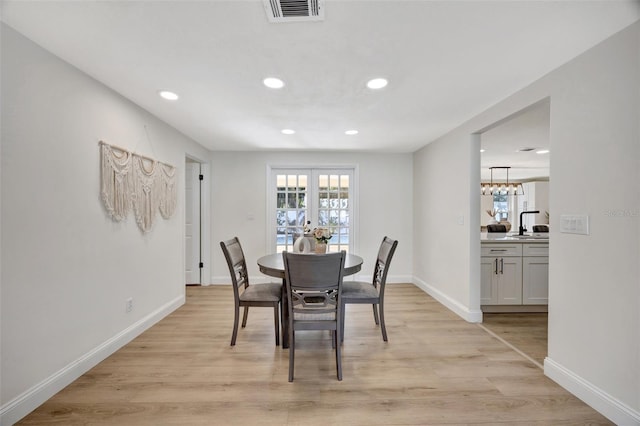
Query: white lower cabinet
[501,276]
[535,280]
[514,274]
[501,281]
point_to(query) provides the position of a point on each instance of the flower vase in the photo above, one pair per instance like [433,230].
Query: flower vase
[321,248]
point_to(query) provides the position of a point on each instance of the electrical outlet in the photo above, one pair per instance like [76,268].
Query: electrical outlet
[128,305]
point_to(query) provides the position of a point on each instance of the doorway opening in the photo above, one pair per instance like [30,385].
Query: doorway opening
[514,269]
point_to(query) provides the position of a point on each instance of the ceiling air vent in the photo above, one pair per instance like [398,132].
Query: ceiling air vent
[294,10]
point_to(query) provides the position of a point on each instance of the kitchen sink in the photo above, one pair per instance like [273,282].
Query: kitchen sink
[531,236]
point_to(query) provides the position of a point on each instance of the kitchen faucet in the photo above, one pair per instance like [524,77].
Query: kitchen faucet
[521,228]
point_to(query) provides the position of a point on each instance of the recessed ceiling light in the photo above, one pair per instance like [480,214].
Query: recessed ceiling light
[273,83]
[482,150]
[377,83]
[288,131]
[542,151]
[351,132]
[170,96]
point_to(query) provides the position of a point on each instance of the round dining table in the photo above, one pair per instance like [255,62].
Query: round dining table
[273,265]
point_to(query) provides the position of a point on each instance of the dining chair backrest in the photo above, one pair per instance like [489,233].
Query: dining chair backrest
[385,254]
[313,283]
[237,265]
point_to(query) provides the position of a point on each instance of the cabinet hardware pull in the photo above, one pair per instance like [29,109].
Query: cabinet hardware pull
[501,266]
[498,249]
[496,264]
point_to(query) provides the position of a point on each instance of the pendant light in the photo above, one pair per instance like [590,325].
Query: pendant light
[507,188]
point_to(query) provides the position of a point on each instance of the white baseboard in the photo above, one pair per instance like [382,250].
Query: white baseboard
[613,409]
[226,280]
[453,305]
[31,399]
[393,279]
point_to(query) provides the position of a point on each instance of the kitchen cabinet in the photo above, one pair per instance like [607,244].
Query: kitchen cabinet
[535,274]
[514,273]
[501,274]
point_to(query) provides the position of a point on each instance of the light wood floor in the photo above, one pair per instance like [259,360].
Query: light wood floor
[436,369]
[527,332]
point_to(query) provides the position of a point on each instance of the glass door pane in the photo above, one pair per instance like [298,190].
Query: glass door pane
[291,207]
[334,207]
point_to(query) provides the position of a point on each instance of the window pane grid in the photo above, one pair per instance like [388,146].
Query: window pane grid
[333,209]
[291,205]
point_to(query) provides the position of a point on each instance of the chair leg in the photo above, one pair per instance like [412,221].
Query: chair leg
[276,321]
[342,323]
[284,317]
[292,349]
[382,326]
[338,354]
[375,314]
[236,319]
[244,317]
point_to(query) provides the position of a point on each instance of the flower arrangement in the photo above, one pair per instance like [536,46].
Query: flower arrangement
[322,235]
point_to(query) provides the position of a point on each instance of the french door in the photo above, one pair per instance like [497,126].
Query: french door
[323,197]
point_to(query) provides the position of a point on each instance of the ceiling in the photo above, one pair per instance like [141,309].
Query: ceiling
[518,142]
[446,61]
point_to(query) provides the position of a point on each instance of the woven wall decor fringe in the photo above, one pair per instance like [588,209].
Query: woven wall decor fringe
[134,182]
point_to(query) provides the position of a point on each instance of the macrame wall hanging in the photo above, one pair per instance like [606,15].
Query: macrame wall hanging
[131,181]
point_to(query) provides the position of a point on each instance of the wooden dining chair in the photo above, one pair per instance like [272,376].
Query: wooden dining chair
[371,292]
[245,295]
[313,288]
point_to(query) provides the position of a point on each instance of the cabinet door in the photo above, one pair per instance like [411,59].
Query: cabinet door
[488,281]
[510,281]
[535,281]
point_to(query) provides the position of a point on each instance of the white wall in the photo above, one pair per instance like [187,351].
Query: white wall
[445,218]
[67,268]
[385,206]
[594,323]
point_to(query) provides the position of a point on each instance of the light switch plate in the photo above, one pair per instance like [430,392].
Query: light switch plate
[574,224]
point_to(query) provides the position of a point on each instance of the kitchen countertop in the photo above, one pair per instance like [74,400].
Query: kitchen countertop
[498,237]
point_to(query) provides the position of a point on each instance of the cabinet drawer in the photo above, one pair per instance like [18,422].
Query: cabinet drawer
[535,249]
[501,249]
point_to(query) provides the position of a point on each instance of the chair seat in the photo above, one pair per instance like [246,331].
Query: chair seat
[269,292]
[359,290]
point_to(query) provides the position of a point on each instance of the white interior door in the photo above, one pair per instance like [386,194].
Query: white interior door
[192,223]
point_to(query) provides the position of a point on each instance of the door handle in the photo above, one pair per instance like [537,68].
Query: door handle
[501,265]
